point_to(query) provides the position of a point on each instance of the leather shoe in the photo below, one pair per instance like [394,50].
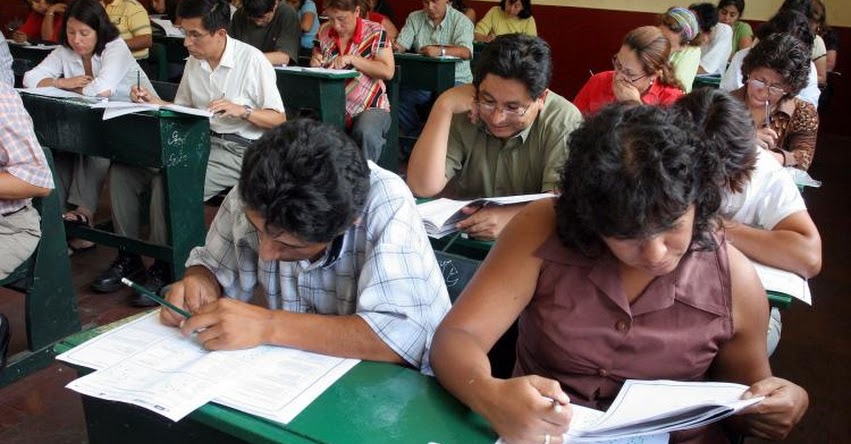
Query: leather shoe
[155,279]
[125,266]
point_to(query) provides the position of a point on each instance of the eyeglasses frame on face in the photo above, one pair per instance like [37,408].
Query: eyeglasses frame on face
[618,67]
[491,108]
[195,35]
[772,90]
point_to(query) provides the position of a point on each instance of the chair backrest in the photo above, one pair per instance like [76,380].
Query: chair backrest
[457,271]
[166,90]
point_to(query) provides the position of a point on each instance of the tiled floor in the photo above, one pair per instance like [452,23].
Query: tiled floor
[815,350]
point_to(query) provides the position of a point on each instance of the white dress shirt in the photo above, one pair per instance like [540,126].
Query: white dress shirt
[243,76]
[114,70]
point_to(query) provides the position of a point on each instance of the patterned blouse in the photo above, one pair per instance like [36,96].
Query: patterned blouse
[363,91]
[796,123]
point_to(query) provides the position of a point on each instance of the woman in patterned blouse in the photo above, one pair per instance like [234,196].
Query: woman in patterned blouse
[775,71]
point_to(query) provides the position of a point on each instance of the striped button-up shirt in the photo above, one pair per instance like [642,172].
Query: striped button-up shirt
[382,269]
[20,153]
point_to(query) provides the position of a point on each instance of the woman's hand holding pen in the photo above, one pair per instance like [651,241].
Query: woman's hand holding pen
[529,409]
[343,62]
[766,138]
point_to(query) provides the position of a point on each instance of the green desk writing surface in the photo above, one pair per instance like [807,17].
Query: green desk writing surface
[372,403]
[35,54]
[320,91]
[178,144]
[429,73]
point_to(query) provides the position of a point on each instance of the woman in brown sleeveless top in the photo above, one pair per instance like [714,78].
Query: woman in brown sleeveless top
[622,276]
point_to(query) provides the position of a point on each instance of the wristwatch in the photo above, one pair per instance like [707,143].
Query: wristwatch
[247,112]
[442,51]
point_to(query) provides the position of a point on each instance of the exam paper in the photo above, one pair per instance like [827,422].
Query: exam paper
[151,365]
[583,418]
[113,109]
[782,281]
[312,69]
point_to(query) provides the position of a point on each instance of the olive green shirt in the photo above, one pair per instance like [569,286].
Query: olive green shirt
[485,166]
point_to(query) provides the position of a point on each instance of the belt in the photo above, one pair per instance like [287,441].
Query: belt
[232,138]
[13,212]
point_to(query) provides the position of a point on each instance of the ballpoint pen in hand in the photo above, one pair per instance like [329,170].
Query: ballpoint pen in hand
[767,114]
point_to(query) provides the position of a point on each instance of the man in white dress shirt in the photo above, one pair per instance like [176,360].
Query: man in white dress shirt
[237,84]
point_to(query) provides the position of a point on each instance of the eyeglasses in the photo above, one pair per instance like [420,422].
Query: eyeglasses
[195,35]
[629,75]
[772,90]
[510,111]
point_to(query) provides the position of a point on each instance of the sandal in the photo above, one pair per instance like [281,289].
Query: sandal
[73,218]
[74,250]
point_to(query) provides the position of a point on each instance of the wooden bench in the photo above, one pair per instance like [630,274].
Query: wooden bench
[45,278]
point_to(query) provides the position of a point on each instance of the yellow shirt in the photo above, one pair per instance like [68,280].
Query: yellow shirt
[497,22]
[131,19]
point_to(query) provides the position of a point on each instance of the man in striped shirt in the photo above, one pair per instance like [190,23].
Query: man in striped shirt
[333,242]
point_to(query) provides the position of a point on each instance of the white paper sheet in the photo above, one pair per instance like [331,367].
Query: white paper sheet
[583,417]
[154,366]
[785,282]
[311,69]
[168,27]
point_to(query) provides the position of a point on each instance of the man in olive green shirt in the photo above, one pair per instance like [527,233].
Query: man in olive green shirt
[506,134]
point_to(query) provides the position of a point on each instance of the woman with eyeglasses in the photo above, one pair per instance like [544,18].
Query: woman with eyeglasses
[641,73]
[775,71]
[93,61]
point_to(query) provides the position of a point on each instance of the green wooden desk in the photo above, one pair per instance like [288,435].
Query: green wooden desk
[429,73]
[372,403]
[174,49]
[179,144]
[25,58]
[700,81]
[320,91]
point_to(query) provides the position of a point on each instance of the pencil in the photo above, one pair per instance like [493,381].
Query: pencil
[149,294]
[767,114]
[138,80]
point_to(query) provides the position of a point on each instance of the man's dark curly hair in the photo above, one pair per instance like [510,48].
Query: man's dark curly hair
[724,125]
[518,57]
[633,170]
[305,178]
[783,54]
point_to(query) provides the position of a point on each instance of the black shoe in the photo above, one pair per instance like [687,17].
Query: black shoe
[5,335]
[155,279]
[125,266]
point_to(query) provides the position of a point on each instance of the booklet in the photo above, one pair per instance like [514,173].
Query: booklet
[440,215]
[113,109]
[645,408]
[782,281]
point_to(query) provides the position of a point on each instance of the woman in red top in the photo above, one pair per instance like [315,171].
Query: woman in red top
[641,74]
[44,22]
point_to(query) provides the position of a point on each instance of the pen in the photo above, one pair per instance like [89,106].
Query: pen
[149,294]
[555,404]
[138,80]
[767,114]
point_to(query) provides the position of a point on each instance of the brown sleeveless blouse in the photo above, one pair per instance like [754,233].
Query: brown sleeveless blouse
[580,330]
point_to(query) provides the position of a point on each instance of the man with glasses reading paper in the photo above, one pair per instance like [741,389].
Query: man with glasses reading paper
[503,135]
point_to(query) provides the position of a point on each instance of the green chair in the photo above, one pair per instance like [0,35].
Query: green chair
[45,278]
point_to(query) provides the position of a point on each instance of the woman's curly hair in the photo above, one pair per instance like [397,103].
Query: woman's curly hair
[633,170]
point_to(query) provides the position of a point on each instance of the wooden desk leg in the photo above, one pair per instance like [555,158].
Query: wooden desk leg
[186,149]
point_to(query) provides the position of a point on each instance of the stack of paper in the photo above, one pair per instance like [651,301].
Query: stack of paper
[651,407]
[168,27]
[440,215]
[153,366]
[113,109]
[782,281]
